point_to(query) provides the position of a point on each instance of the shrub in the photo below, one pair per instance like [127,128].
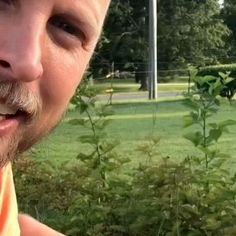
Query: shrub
[92,195]
[229,89]
[164,198]
[225,82]
[215,69]
[46,191]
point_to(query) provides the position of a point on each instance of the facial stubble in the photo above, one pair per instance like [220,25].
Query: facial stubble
[30,129]
[27,136]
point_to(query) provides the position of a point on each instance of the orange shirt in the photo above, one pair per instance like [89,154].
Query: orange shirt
[9,225]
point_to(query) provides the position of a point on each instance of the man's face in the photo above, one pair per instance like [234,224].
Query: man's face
[45,46]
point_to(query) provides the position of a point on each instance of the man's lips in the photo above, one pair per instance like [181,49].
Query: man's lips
[10,119]
[16,97]
[9,124]
[17,115]
[7,110]
[12,112]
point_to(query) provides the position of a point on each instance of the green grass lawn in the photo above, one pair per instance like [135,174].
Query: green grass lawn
[131,125]
[120,86]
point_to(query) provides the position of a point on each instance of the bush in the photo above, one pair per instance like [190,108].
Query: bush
[93,195]
[225,74]
[164,198]
[46,191]
[215,69]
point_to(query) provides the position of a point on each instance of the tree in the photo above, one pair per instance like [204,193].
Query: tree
[125,39]
[190,32]
[116,29]
[229,16]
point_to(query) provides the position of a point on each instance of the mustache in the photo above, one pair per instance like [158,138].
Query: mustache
[18,96]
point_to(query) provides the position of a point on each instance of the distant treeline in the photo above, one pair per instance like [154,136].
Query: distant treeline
[190,32]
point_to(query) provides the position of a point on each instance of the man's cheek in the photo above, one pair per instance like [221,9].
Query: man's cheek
[56,93]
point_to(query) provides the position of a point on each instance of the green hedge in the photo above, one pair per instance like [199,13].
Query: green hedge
[215,69]
[164,198]
[96,194]
[229,88]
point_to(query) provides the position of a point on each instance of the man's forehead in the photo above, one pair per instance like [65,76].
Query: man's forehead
[99,5]
[93,9]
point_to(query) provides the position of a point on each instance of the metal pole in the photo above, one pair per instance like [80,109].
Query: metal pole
[153,82]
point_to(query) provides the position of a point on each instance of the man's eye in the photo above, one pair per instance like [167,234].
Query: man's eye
[7,1]
[65,26]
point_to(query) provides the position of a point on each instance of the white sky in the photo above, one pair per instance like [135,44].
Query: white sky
[221,1]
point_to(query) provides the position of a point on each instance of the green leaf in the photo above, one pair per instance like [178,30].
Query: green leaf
[218,162]
[190,104]
[228,80]
[188,121]
[77,122]
[213,125]
[83,157]
[212,223]
[103,124]
[214,134]
[196,116]
[195,138]
[90,139]
[217,102]
[223,155]
[213,109]
[223,75]
[192,71]
[190,209]
[83,107]
[227,123]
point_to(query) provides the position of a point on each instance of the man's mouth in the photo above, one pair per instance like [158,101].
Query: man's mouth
[10,119]
[8,112]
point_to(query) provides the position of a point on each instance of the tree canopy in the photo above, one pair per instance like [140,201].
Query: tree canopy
[190,32]
[195,32]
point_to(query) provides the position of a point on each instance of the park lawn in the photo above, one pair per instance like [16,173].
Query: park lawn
[120,86]
[131,126]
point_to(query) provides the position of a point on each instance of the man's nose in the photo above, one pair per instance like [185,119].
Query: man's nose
[20,54]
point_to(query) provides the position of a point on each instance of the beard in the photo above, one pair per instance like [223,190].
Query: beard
[8,150]
[34,125]
[28,106]
[27,136]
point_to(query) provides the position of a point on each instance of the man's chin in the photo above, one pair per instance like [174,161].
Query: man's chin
[8,150]
[11,148]
[22,140]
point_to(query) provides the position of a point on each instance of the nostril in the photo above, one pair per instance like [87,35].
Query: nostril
[4,64]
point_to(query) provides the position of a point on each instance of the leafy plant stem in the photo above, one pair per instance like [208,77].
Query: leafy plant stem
[205,137]
[102,174]
[161,226]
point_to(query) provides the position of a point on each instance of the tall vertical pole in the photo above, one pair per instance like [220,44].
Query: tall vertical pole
[153,80]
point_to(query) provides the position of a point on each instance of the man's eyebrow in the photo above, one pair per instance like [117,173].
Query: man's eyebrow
[86,16]
[93,7]
[87,25]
